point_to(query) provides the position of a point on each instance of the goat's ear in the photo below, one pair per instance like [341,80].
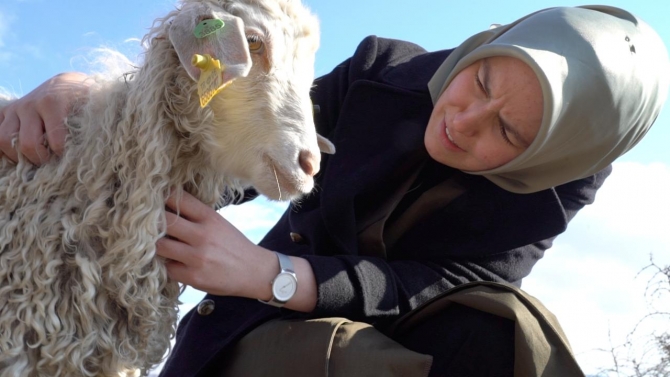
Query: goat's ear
[325,145]
[227,44]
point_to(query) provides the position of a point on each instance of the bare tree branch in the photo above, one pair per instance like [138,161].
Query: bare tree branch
[646,355]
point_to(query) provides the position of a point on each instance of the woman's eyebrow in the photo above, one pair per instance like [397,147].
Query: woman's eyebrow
[486,70]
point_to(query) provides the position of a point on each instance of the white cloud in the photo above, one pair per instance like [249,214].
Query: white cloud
[590,280]
[133,40]
[634,201]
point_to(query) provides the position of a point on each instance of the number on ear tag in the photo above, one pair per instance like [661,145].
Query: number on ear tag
[207,27]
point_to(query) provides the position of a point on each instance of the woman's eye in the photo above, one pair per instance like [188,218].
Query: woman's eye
[503,132]
[255,43]
[479,83]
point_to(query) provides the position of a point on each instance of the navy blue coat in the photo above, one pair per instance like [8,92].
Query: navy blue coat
[375,107]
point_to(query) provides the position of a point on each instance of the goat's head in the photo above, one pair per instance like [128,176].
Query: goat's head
[263,121]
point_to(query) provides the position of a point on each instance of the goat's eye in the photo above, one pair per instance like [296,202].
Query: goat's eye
[255,43]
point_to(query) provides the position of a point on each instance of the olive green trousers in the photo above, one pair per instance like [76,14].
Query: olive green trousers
[337,347]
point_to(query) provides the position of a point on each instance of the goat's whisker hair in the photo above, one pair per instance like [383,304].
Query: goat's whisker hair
[277,180]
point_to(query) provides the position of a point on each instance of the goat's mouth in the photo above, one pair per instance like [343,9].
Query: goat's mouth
[283,185]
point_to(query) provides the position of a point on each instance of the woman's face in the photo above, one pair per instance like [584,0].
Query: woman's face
[488,115]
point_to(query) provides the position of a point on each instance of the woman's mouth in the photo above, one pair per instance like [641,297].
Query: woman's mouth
[449,135]
[449,141]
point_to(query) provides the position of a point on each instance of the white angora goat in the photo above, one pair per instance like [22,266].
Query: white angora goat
[81,291]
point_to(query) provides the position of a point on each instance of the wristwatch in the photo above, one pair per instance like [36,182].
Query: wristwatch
[284,284]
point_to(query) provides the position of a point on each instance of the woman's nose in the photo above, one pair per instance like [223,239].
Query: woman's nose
[470,120]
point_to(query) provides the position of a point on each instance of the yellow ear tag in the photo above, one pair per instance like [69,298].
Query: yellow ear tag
[211,80]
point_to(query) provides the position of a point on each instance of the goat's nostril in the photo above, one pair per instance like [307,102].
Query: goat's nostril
[309,163]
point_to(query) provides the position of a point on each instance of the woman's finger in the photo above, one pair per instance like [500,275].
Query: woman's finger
[180,228]
[179,257]
[188,206]
[55,133]
[174,250]
[31,135]
[179,272]
[9,129]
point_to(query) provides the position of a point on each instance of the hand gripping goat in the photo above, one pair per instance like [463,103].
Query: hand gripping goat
[81,292]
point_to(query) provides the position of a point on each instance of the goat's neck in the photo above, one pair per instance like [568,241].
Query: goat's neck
[176,142]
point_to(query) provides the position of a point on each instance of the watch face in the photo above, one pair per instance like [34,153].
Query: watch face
[284,287]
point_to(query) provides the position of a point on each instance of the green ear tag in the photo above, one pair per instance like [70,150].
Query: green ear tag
[207,27]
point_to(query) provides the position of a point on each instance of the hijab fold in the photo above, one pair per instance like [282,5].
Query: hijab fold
[604,75]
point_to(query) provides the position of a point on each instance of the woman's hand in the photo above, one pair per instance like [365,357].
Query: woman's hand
[38,118]
[208,253]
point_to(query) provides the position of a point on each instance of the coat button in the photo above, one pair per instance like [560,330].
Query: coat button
[296,238]
[206,307]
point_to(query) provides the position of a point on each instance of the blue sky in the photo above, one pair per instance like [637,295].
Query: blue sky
[39,38]
[588,278]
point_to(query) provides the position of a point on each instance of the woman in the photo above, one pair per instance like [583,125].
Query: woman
[452,167]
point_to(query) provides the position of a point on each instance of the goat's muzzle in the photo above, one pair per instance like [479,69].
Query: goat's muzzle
[309,162]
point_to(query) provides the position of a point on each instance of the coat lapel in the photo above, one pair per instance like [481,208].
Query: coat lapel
[372,155]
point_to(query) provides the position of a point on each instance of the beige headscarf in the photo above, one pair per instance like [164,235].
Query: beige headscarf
[604,75]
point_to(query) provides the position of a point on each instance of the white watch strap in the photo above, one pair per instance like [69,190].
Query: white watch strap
[285,264]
